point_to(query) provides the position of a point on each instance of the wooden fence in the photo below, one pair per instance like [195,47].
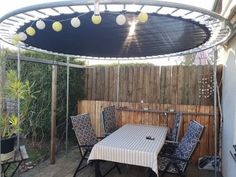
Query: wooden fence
[156,114]
[188,85]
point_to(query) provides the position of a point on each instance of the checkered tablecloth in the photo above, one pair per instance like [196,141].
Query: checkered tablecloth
[129,145]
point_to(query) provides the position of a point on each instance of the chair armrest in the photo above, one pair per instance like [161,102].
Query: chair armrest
[169,147]
[171,142]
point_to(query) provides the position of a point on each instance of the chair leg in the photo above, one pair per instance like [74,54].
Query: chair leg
[151,173]
[97,169]
[80,164]
[117,167]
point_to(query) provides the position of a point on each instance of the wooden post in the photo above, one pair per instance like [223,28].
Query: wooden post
[53,114]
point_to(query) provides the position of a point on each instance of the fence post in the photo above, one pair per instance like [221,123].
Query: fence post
[53,114]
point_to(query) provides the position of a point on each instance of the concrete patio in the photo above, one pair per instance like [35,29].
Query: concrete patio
[65,167]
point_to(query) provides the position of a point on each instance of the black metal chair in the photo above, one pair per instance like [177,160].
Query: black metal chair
[174,132]
[176,158]
[86,137]
[109,120]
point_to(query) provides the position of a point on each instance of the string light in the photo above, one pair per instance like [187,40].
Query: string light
[22,36]
[75,22]
[15,39]
[57,26]
[40,24]
[142,17]
[30,31]
[121,19]
[96,19]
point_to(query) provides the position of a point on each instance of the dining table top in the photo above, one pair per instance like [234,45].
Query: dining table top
[133,144]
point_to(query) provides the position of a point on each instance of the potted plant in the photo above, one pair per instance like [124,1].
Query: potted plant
[10,120]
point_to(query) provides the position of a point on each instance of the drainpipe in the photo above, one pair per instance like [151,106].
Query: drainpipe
[216,3]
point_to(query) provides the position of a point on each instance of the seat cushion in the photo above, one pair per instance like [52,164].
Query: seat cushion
[163,161]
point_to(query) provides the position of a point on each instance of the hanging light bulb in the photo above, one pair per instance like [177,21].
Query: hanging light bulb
[57,26]
[121,19]
[96,19]
[40,24]
[30,31]
[75,22]
[14,42]
[22,36]
[142,17]
[15,39]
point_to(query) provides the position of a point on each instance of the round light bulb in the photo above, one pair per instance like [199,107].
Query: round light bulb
[96,19]
[15,39]
[30,31]
[14,42]
[40,24]
[57,26]
[142,17]
[75,22]
[121,19]
[22,36]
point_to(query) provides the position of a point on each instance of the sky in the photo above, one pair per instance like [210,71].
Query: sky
[7,6]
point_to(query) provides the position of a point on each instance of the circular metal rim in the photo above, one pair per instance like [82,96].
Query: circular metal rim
[220,19]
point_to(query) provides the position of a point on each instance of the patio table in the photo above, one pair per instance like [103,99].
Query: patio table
[131,144]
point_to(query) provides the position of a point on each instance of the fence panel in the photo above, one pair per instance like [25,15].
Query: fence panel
[156,114]
[191,85]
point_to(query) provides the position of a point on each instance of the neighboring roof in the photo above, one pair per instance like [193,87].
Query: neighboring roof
[171,29]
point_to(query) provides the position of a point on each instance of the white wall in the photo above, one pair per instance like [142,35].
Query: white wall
[229,110]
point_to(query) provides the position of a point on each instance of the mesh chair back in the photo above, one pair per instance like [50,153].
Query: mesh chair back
[109,119]
[189,142]
[176,127]
[83,129]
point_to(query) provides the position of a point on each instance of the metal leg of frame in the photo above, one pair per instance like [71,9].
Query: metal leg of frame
[97,169]
[4,169]
[152,174]
[117,167]
[16,168]
[80,164]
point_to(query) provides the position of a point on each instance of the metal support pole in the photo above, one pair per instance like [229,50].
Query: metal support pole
[1,94]
[67,101]
[18,100]
[118,84]
[2,78]
[215,106]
